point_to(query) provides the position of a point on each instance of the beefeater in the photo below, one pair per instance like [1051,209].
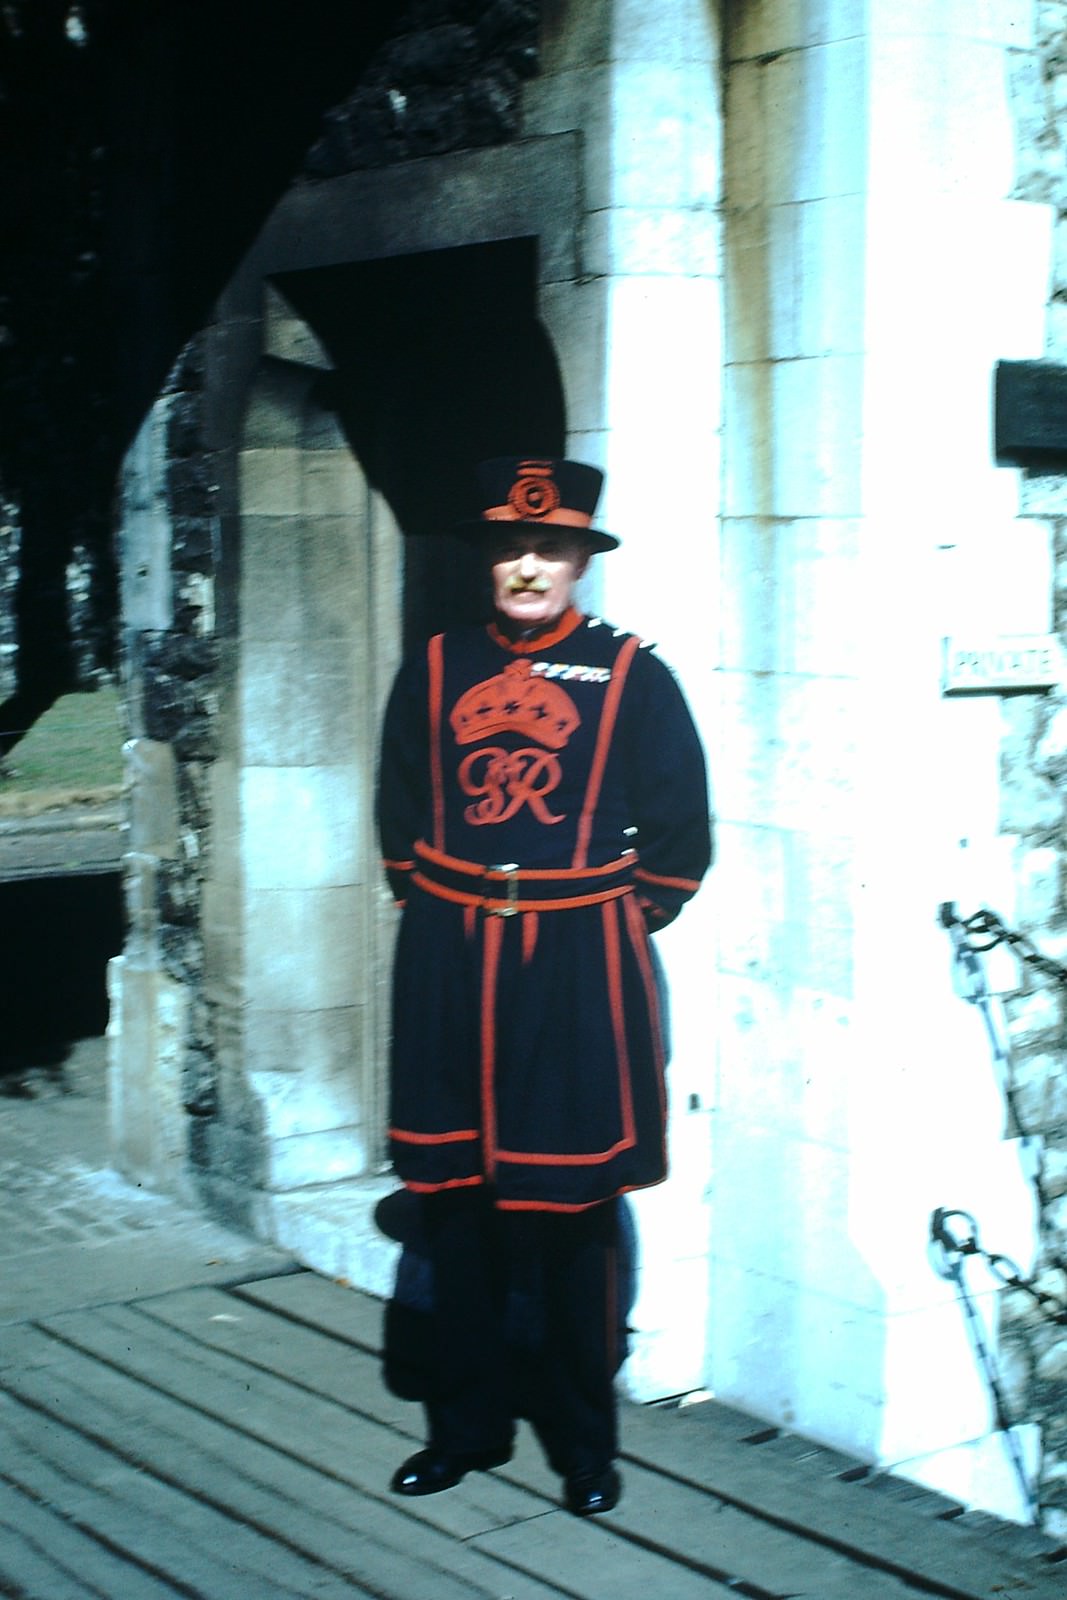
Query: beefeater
[542,809]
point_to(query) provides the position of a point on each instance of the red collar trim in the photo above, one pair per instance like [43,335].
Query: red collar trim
[567,623]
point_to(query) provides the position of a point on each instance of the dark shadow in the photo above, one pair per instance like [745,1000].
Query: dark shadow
[440,362]
[56,938]
[140,166]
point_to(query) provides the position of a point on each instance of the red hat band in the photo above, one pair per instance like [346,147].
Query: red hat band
[535,497]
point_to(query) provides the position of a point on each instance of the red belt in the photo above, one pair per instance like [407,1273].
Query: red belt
[505,889]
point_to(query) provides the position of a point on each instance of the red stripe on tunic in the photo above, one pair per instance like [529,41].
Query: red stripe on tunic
[405,1136]
[492,935]
[530,925]
[561,1205]
[603,744]
[610,917]
[475,869]
[639,940]
[498,905]
[667,883]
[435,1188]
[527,1158]
[544,641]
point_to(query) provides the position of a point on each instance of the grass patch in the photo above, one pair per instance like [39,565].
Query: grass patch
[73,753]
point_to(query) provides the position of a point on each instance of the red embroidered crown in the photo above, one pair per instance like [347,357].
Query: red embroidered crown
[515,702]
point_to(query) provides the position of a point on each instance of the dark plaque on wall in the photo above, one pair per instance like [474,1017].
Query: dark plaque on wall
[1030,415]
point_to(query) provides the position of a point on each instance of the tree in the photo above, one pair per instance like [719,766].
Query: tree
[145,142]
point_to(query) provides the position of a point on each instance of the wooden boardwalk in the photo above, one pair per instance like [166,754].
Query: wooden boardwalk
[236,1443]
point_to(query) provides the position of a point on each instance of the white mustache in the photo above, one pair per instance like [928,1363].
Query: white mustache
[529,585]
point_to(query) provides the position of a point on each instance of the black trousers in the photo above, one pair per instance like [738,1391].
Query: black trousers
[525,1325]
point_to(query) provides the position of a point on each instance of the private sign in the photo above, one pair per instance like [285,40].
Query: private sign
[1002,663]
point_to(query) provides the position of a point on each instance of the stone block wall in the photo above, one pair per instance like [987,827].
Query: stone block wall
[1034,820]
[447,79]
[879,262]
[172,704]
[639,338]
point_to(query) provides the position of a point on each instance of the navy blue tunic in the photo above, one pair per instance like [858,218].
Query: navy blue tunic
[542,805]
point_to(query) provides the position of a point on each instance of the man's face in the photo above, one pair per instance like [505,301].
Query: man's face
[534,574]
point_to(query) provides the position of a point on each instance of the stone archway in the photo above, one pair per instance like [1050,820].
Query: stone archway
[331,452]
[297,924]
[630,342]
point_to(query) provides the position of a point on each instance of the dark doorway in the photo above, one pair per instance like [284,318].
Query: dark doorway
[57,936]
[441,362]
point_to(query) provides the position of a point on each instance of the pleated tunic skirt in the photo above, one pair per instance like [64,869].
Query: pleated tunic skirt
[527,1052]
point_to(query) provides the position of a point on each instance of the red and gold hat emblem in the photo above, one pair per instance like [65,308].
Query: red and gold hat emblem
[534,493]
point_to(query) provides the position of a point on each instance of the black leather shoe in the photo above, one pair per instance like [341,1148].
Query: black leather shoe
[587,1493]
[429,1471]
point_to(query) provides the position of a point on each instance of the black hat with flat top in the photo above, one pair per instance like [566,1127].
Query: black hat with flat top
[539,492]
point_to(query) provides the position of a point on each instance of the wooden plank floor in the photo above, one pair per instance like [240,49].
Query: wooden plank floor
[237,1442]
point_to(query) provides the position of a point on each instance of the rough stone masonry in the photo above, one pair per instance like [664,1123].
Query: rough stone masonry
[447,79]
[1034,812]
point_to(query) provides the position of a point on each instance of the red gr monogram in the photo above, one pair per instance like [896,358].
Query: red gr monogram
[506,780]
[502,781]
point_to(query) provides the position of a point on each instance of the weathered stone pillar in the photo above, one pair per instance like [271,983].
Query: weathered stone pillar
[147,1038]
[296,921]
[639,342]
[877,268]
[148,1022]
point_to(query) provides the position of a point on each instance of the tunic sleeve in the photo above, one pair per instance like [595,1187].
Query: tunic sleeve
[403,797]
[667,788]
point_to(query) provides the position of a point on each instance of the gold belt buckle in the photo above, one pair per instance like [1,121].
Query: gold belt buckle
[512,870]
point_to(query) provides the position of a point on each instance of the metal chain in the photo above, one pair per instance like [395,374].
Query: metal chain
[975,989]
[973,937]
[977,992]
[948,1264]
[954,1233]
[985,931]
[953,1245]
